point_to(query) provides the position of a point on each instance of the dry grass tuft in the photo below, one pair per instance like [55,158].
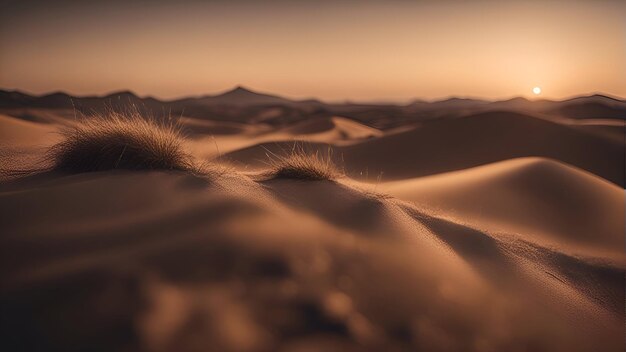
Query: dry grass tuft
[300,165]
[121,141]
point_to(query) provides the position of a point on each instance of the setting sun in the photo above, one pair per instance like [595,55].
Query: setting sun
[537,90]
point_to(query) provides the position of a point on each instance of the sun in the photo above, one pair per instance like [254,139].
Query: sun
[537,90]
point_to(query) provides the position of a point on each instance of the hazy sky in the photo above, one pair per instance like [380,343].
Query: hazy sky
[334,50]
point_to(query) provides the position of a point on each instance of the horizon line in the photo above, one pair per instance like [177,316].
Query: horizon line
[325,101]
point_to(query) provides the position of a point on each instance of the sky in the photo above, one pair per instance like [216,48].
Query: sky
[333,50]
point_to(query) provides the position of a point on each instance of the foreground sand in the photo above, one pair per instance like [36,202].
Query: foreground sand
[520,255]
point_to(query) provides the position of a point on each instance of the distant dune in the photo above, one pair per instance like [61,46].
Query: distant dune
[18,132]
[454,144]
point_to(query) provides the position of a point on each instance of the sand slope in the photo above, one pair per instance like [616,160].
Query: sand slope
[541,198]
[162,261]
[17,132]
[336,131]
[332,129]
[454,144]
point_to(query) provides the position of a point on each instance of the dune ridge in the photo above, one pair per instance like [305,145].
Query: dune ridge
[539,197]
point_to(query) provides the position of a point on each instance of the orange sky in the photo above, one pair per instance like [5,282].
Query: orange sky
[334,50]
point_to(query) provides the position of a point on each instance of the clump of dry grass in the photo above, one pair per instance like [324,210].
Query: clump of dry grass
[300,165]
[121,141]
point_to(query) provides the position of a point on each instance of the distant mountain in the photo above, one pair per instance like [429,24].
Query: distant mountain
[15,99]
[245,105]
[453,102]
[584,107]
[595,105]
[239,96]
[243,96]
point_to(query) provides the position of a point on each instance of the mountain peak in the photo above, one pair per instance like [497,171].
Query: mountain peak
[243,96]
[57,94]
[121,94]
[517,99]
[238,90]
[241,89]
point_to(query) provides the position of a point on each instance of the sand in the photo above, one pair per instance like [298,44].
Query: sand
[512,242]
[534,196]
[19,132]
[460,143]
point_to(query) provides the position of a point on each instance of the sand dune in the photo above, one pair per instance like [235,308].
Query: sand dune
[455,144]
[197,127]
[543,199]
[59,117]
[336,131]
[171,255]
[17,132]
[333,129]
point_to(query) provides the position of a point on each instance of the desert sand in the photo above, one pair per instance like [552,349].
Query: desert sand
[487,230]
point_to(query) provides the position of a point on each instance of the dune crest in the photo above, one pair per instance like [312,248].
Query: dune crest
[542,198]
